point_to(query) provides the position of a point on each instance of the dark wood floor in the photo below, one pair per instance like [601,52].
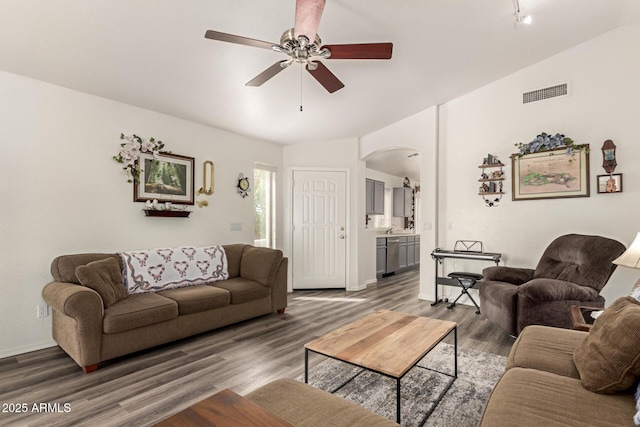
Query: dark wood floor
[143,388]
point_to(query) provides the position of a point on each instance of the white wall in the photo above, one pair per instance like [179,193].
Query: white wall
[417,132]
[62,192]
[603,104]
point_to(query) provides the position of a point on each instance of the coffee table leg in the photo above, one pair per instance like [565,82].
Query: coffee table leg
[306,365]
[398,400]
[455,352]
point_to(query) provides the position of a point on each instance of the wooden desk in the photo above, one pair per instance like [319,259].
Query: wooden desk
[225,409]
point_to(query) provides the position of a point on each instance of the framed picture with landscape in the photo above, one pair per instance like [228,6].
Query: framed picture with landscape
[551,174]
[168,178]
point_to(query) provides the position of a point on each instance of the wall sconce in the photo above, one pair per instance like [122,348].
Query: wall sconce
[207,184]
[609,156]
[207,178]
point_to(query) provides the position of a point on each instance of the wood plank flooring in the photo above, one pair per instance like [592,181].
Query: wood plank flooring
[144,388]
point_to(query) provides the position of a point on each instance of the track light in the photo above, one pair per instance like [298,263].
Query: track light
[520,18]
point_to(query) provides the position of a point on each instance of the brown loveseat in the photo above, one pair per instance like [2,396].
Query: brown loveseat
[92,329]
[561,377]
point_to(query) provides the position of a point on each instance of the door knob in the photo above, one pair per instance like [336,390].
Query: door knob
[342,236]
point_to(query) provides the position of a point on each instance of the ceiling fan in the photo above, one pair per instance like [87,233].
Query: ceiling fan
[303,45]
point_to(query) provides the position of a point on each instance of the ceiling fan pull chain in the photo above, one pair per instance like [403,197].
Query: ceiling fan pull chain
[301,66]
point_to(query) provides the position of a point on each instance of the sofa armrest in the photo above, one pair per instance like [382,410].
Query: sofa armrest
[78,314]
[279,289]
[513,275]
[556,290]
[73,300]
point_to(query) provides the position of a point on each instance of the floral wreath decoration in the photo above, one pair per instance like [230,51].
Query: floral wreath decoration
[546,142]
[130,151]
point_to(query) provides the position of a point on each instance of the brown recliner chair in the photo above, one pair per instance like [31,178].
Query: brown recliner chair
[572,271]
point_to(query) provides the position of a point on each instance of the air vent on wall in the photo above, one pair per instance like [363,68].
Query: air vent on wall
[546,93]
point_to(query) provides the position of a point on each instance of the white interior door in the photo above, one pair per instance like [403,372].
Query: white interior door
[319,229]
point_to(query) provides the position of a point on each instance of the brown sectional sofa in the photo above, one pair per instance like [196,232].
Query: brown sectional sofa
[91,331]
[304,405]
[541,386]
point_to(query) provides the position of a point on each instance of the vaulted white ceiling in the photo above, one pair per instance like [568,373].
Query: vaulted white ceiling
[153,54]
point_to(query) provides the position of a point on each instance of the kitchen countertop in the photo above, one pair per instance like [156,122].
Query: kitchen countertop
[396,234]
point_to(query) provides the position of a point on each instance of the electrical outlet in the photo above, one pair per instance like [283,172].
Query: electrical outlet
[236,226]
[42,310]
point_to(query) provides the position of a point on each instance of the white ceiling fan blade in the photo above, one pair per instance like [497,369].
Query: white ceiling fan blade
[308,14]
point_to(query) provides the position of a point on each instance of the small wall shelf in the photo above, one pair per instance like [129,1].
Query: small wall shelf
[167,214]
[492,179]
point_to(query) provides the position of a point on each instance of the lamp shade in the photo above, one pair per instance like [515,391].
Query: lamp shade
[630,257]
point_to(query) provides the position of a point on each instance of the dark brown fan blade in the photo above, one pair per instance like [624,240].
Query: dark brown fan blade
[224,37]
[308,14]
[360,51]
[266,74]
[325,77]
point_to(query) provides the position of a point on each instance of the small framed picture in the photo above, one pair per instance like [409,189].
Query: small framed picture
[610,183]
[167,178]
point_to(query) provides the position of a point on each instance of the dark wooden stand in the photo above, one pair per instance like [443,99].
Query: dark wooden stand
[581,319]
[166,214]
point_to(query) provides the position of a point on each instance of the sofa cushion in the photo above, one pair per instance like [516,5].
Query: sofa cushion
[243,290]
[138,310]
[304,405]
[547,349]
[532,398]
[234,255]
[194,299]
[609,358]
[63,267]
[104,277]
[260,264]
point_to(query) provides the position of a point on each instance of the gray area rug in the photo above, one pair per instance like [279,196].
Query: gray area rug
[461,406]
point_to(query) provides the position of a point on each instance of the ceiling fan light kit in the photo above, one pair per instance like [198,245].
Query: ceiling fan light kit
[520,18]
[303,45]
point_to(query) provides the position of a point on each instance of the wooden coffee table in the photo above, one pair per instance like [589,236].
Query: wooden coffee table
[386,342]
[224,409]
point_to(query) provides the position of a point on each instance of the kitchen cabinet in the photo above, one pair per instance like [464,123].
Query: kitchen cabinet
[374,197]
[404,254]
[381,256]
[403,202]
[409,252]
[402,263]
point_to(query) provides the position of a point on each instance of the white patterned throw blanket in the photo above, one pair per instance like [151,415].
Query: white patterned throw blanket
[157,270]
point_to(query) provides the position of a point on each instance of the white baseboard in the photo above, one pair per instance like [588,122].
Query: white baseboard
[26,349]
